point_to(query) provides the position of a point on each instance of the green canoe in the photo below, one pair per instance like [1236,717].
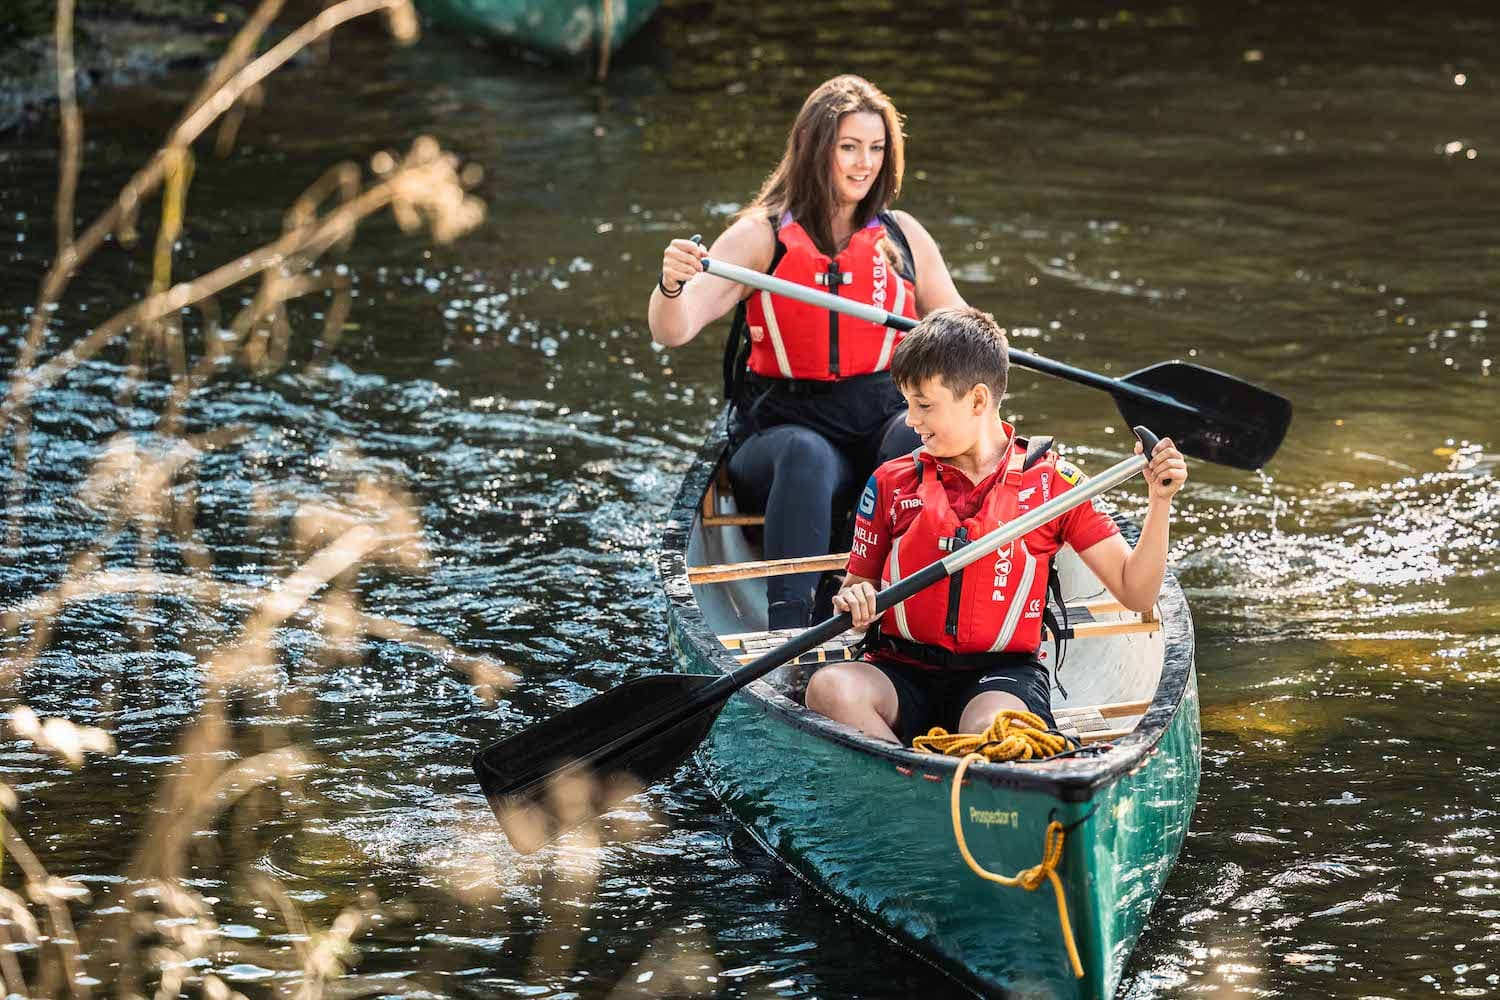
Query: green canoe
[868,824]
[558,27]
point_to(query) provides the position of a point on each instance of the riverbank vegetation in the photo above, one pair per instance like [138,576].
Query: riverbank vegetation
[153,929]
[114,44]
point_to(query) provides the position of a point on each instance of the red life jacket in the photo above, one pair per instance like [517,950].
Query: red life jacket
[995,605]
[793,340]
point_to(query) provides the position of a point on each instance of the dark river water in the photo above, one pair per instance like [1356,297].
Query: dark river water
[1301,193]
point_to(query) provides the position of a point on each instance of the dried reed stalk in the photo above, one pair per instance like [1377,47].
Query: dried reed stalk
[71,131]
[235,76]
[165,928]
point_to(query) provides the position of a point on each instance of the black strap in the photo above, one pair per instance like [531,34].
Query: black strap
[907,266]
[877,641]
[736,356]
[916,461]
[737,346]
[956,581]
[1036,450]
[833,275]
[1061,633]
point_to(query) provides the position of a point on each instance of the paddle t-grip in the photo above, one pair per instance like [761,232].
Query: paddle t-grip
[1149,442]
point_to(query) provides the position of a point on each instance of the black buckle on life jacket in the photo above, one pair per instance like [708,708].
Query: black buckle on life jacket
[956,542]
[956,581]
[833,276]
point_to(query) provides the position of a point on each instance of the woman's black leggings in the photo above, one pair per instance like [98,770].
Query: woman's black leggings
[796,477]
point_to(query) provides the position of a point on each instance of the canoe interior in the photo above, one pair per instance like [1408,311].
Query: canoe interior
[837,806]
[1097,670]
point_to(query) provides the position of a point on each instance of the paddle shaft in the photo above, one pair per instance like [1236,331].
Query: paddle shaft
[880,317]
[720,689]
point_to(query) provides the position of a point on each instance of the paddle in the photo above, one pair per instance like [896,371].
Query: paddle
[562,772]
[1206,413]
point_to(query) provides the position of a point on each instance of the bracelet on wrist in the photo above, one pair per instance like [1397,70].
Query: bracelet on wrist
[673,293]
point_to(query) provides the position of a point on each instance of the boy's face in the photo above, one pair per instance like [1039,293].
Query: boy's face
[948,424]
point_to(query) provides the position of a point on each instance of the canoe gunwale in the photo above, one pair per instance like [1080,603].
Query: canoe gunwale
[1074,780]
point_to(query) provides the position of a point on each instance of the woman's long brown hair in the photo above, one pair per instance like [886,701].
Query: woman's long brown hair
[802,182]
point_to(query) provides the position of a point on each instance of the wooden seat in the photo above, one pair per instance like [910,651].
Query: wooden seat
[792,676]
[709,512]
[746,646]
[1084,622]
[1100,723]
[757,568]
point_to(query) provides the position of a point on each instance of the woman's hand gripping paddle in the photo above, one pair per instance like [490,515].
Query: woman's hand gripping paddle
[565,771]
[1208,414]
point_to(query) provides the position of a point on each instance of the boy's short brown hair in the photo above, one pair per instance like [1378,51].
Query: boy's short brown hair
[961,346]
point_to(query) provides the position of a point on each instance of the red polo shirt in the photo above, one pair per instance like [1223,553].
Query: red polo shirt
[880,516]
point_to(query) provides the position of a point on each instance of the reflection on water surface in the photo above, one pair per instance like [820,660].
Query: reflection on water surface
[1285,192]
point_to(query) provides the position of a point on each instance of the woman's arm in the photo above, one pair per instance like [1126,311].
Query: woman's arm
[935,288]
[674,321]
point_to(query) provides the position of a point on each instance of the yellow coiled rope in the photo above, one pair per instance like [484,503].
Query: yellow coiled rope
[1004,741]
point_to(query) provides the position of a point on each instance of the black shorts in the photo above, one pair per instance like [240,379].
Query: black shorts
[927,698]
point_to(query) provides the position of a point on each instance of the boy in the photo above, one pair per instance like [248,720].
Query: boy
[961,651]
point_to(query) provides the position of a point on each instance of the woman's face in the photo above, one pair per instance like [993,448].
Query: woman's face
[857,155]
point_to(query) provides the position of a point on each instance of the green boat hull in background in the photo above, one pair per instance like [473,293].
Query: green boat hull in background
[570,28]
[869,825]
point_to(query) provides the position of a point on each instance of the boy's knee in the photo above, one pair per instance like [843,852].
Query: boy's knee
[832,692]
[980,713]
[821,691]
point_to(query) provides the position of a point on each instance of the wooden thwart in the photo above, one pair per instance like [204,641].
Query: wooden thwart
[1082,619]
[1108,736]
[1112,710]
[746,646]
[709,513]
[724,572]
[1089,630]
[758,568]
[1100,723]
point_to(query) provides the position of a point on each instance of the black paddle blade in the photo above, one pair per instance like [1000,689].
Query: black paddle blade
[560,773]
[1212,416]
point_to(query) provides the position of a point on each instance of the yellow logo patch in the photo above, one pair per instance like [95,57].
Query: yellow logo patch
[1070,472]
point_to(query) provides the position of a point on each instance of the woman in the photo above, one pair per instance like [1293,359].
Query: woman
[814,409]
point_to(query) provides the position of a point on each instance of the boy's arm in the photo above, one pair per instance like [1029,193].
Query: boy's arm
[872,540]
[857,596]
[1134,576]
[872,532]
